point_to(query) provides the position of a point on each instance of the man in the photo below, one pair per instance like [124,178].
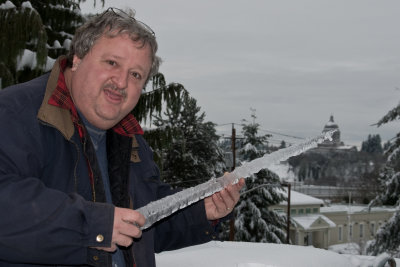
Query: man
[74,165]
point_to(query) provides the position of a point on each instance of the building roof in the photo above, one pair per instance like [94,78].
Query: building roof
[297,198]
[330,125]
[354,209]
[313,221]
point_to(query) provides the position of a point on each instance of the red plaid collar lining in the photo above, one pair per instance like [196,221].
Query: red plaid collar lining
[61,97]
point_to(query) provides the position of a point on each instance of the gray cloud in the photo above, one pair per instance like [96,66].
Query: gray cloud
[295,62]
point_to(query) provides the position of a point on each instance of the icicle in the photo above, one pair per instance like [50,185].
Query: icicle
[166,206]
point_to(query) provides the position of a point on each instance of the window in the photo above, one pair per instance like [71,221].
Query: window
[350,230]
[372,225]
[293,211]
[340,233]
[301,211]
[278,210]
[361,230]
[308,210]
[315,210]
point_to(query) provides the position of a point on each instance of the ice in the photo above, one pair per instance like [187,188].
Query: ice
[157,210]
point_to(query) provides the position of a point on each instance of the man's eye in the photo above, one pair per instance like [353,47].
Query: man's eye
[111,62]
[136,75]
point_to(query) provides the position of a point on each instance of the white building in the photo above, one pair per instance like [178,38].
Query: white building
[321,227]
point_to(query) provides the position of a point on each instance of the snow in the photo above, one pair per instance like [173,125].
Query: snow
[297,198]
[370,261]
[27,4]
[307,221]
[250,147]
[345,147]
[67,43]
[245,254]
[7,5]
[56,44]
[283,170]
[68,35]
[347,248]
[331,124]
[28,59]
[353,208]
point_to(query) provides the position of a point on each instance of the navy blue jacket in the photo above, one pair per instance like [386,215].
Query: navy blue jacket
[47,213]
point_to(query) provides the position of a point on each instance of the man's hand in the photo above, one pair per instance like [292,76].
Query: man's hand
[126,227]
[222,203]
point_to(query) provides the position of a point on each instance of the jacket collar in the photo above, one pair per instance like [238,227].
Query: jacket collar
[56,116]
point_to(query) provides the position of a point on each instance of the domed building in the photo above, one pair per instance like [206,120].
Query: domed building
[331,125]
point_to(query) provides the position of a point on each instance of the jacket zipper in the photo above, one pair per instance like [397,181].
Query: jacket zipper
[76,165]
[90,170]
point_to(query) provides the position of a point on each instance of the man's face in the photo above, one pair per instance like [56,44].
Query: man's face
[106,83]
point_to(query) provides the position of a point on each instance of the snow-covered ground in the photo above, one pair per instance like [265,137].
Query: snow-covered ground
[243,254]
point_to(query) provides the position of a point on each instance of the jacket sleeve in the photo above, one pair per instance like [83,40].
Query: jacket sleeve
[40,224]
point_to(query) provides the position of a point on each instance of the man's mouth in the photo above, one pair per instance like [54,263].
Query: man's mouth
[114,93]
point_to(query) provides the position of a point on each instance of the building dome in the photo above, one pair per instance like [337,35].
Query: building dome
[329,126]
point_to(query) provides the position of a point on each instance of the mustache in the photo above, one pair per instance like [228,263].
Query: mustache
[114,87]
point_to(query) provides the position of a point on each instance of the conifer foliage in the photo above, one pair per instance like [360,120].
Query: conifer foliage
[190,154]
[372,145]
[253,221]
[32,34]
[388,236]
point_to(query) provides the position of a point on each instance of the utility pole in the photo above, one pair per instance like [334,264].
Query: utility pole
[288,215]
[233,146]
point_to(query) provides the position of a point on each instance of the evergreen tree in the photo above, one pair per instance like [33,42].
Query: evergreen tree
[372,145]
[282,145]
[193,155]
[253,221]
[32,34]
[388,236]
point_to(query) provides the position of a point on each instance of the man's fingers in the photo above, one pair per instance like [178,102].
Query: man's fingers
[219,202]
[229,198]
[124,240]
[130,229]
[231,194]
[132,217]
[127,225]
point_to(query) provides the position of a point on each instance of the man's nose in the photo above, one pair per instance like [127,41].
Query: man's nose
[120,79]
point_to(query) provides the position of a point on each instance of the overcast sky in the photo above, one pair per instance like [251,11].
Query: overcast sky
[295,62]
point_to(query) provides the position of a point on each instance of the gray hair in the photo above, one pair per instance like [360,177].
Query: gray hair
[111,23]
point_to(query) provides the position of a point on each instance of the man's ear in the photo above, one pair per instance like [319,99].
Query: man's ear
[75,63]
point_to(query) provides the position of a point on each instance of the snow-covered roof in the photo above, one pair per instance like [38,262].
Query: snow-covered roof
[297,198]
[345,147]
[309,221]
[353,208]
